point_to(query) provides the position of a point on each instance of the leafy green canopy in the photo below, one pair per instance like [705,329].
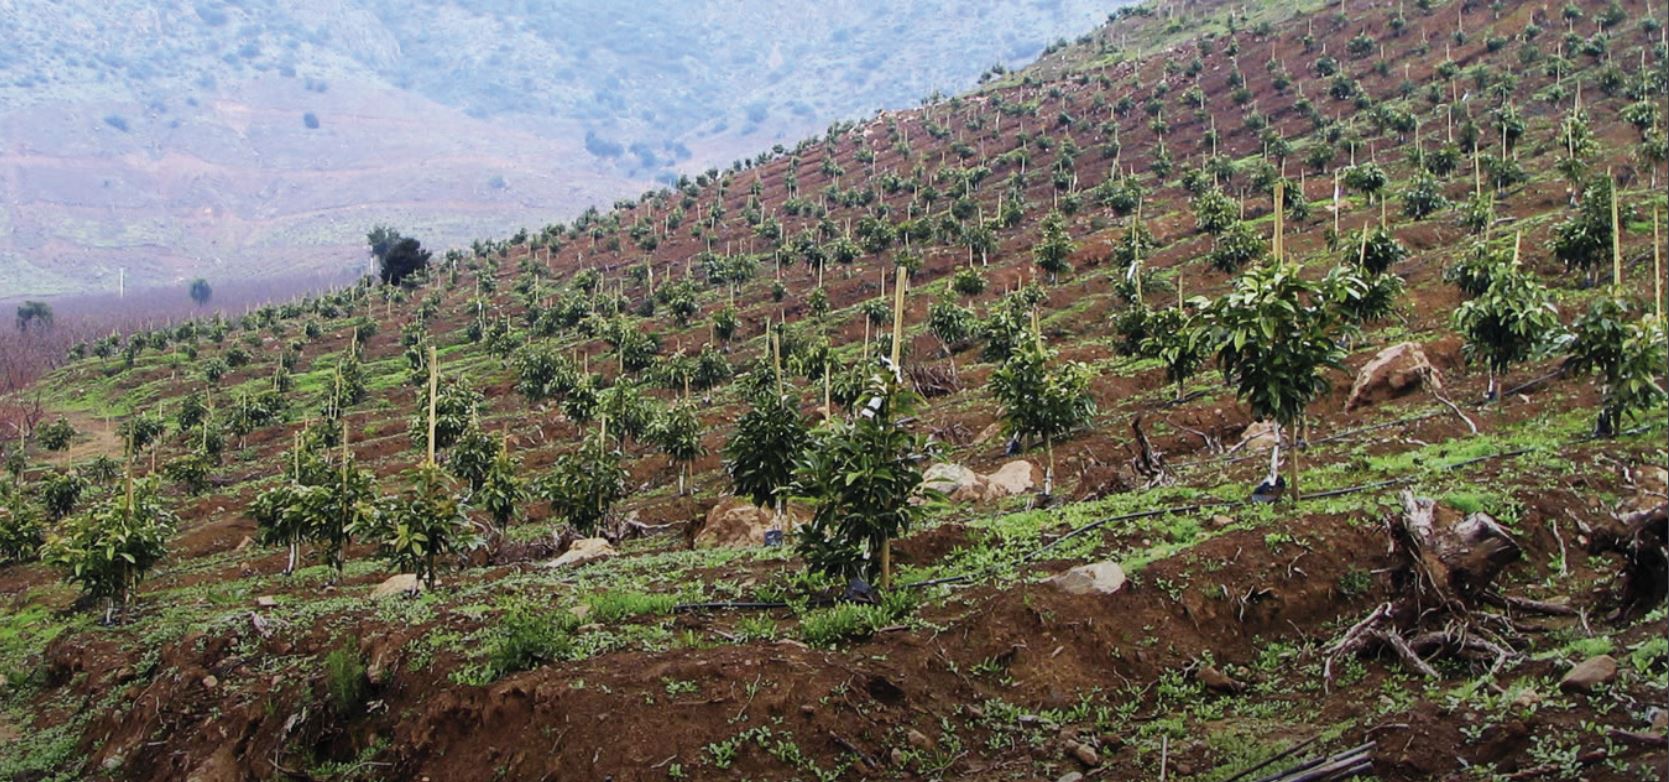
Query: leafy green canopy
[108,550]
[861,472]
[584,484]
[1506,324]
[1275,335]
[769,438]
[1627,355]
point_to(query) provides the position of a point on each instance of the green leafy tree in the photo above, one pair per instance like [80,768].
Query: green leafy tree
[1368,179]
[627,408]
[954,325]
[190,471]
[55,436]
[1507,323]
[1626,354]
[861,474]
[677,432]
[769,438]
[414,530]
[584,484]
[1360,296]
[1174,337]
[1583,241]
[339,500]
[21,527]
[278,513]
[502,492]
[1214,211]
[543,372]
[200,291]
[347,385]
[1042,402]
[471,457]
[36,314]
[108,550]
[1237,248]
[1423,197]
[457,407]
[968,281]
[725,323]
[579,404]
[1275,337]
[1055,248]
[60,491]
[712,369]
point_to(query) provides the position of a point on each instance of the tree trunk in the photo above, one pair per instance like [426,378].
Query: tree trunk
[295,547]
[1452,555]
[1049,472]
[1296,430]
[1274,460]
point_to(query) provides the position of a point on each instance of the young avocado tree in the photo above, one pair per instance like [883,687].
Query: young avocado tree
[1174,337]
[1042,402]
[584,484]
[55,436]
[332,510]
[954,325]
[1055,248]
[1584,240]
[21,528]
[1275,336]
[414,529]
[278,512]
[1506,323]
[768,440]
[1626,354]
[502,491]
[677,432]
[861,473]
[456,408]
[108,550]
[60,491]
[472,456]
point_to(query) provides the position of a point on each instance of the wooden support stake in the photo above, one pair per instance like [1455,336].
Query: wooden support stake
[1616,242]
[1280,212]
[434,383]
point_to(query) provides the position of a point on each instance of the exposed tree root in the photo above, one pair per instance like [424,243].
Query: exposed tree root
[1449,566]
[1642,538]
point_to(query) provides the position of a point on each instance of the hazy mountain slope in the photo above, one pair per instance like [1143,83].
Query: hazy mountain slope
[178,138]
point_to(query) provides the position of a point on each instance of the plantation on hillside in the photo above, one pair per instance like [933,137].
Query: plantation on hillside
[1237,386]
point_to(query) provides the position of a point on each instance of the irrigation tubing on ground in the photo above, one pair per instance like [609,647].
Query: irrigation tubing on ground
[1229,458]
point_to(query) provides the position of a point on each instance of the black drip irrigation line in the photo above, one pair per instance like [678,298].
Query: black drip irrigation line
[1176,509]
[1535,381]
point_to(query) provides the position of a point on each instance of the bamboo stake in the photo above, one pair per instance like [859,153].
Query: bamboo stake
[1657,265]
[1616,243]
[434,382]
[1280,212]
[898,319]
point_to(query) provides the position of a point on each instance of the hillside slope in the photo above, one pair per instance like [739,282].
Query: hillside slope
[1246,637]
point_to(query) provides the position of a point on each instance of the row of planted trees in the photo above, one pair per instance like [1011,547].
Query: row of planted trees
[1273,336]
